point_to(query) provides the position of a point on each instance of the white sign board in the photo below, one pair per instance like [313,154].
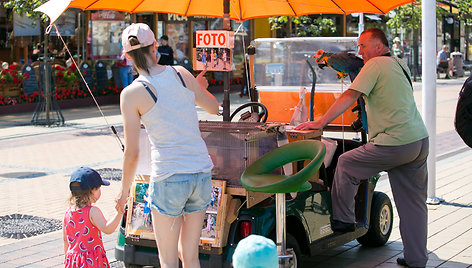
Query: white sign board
[214,39]
[214,50]
[24,26]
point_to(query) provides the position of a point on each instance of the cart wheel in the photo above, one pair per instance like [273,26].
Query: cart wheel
[293,244]
[262,116]
[381,221]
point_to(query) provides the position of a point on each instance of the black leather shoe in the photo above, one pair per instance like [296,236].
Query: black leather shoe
[402,262]
[342,227]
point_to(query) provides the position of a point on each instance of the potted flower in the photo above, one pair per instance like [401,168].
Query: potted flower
[67,77]
[11,80]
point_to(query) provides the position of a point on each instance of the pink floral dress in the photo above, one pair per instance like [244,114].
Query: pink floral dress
[85,240]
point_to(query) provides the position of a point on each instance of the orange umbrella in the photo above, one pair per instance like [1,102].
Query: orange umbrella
[242,9]
[238,10]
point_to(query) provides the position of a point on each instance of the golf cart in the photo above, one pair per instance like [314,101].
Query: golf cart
[238,206]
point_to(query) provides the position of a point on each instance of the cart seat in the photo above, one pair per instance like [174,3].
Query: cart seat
[257,177]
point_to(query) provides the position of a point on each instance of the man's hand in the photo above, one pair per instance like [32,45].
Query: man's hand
[309,125]
[202,81]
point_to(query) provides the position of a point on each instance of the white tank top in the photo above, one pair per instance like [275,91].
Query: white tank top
[172,127]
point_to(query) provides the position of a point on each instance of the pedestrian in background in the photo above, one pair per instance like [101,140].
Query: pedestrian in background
[163,98]
[444,61]
[165,51]
[126,70]
[397,48]
[83,223]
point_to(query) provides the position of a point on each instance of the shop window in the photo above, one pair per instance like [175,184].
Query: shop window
[178,40]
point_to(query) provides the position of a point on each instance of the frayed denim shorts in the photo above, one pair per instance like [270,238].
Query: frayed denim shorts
[181,193]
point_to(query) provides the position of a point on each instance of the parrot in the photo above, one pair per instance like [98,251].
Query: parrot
[343,63]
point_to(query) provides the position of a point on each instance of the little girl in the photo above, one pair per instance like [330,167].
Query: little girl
[83,223]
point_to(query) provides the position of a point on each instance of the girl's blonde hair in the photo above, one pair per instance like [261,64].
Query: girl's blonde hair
[81,198]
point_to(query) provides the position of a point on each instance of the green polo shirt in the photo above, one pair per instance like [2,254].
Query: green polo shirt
[392,116]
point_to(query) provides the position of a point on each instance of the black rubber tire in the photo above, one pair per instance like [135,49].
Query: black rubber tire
[293,244]
[381,221]
[128,265]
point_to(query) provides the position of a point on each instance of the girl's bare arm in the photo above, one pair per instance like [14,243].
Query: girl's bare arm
[97,219]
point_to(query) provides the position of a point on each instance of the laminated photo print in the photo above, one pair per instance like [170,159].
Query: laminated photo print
[215,199]
[141,213]
[209,227]
[214,59]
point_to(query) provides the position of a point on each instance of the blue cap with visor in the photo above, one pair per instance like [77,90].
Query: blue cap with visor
[88,179]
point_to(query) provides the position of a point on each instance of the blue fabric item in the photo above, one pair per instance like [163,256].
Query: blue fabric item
[255,251]
[126,74]
[88,179]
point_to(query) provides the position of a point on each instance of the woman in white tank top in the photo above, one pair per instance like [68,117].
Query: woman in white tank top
[164,101]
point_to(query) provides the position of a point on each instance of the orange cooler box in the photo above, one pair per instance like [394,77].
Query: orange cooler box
[280,103]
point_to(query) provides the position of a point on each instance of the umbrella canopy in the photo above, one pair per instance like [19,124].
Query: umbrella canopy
[242,9]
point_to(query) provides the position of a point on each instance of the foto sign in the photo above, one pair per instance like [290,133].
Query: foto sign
[214,39]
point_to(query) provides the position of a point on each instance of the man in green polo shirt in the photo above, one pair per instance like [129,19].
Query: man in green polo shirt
[398,143]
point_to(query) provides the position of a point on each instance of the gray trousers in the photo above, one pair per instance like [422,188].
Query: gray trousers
[408,175]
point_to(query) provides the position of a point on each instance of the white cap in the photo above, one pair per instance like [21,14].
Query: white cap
[142,32]
[396,39]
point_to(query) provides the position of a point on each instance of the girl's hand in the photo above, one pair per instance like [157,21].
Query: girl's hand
[202,81]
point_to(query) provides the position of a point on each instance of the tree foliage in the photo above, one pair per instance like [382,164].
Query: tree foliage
[26,7]
[409,16]
[305,25]
[464,8]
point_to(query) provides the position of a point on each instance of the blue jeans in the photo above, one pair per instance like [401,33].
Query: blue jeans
[126,74]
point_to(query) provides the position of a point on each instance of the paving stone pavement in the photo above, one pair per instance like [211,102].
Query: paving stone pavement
[36,162]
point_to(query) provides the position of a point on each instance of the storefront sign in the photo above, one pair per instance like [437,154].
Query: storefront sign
[214,39]
[106,31]
[65,23]
[107,15]
[176,18]
[24,26]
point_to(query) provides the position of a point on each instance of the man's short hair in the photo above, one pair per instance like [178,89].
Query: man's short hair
[164,37]
[377,34]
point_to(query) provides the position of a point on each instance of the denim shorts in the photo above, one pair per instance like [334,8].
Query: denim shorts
[181,193]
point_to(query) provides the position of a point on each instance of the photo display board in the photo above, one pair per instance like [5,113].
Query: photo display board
[214,50]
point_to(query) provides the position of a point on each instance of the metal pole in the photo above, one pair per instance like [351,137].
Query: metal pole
[280,227]
[429,90]
[227,27]
[47,78]
[361,23]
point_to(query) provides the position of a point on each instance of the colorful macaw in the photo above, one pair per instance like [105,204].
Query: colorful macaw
[343,63]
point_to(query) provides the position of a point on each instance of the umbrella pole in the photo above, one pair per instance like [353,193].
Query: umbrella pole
[226,102]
